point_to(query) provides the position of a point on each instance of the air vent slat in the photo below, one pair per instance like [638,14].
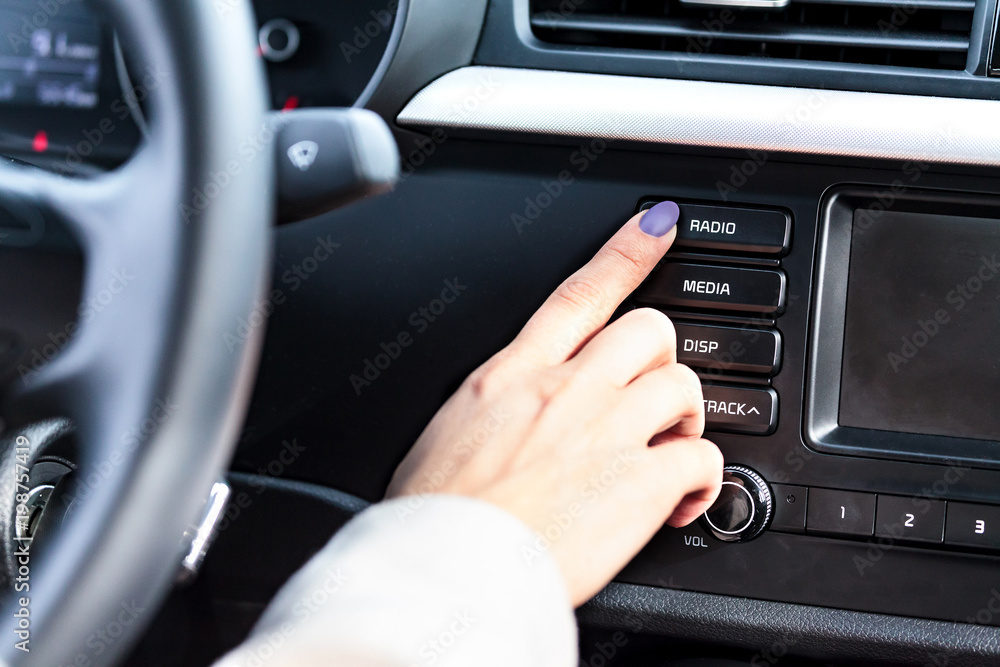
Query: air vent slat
[768,32]
[932,34]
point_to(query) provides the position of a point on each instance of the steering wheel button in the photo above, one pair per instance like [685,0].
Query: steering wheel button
[840,513]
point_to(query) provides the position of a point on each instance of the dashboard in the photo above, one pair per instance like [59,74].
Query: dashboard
[877,536]
[835,285]
[832,284]
[69,101]
[61,101]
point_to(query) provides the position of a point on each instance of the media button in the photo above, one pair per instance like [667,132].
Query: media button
[972,526]
[740,409]
[731,349]
[715,287]
[840,513]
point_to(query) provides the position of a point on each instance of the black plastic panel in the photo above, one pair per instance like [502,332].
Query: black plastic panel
[821,571]
[341,47]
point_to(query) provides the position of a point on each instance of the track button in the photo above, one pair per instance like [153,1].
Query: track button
[740,409]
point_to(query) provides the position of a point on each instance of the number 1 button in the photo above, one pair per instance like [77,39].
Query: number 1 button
[840,513]
[973,526]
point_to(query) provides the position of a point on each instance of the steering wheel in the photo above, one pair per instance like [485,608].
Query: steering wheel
[187,219]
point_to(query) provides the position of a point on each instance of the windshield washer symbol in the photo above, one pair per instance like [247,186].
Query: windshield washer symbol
[303,154]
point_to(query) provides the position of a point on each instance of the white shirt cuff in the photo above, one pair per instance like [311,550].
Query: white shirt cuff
[420,581]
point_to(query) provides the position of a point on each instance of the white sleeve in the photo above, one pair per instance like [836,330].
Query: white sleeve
[420,581]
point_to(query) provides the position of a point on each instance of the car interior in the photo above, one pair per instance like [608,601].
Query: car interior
[247,250]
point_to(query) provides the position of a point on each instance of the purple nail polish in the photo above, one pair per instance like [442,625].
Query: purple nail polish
[660,219]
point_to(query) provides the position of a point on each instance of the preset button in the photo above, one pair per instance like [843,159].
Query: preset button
[910,519]
[840,513]
[972,526]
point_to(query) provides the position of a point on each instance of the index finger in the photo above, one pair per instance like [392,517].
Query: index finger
[583,304]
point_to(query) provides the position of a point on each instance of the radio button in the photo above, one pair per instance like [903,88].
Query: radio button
[740,409]
[840,513]
[715,287]
[972,526]
[746,230]
[731,349]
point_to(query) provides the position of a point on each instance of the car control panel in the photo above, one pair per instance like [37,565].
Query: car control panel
[906,520]
[725,296]
[851,481]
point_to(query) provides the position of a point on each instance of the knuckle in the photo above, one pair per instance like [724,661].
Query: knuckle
[556,382]
[718,461]
[490,379]
[693,397]
[630,255]
[713,456]
[583,293]
[690,382]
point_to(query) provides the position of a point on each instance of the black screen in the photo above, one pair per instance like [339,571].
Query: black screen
[922,338]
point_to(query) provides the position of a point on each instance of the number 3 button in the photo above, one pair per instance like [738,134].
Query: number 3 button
[910,519]
[973,526]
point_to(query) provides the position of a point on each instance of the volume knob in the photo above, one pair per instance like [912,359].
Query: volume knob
[743,509]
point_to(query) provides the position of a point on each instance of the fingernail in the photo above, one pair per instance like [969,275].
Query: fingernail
[660,219]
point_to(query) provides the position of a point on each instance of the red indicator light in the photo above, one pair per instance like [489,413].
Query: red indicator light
[291,103]
[40,143]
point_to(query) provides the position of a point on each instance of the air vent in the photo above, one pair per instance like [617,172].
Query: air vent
[932,34]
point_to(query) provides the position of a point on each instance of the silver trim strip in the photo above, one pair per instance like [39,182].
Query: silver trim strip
[745,4]
[203,534]
[703,113]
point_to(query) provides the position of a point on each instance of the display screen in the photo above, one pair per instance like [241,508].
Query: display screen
[50,54]
[922,338]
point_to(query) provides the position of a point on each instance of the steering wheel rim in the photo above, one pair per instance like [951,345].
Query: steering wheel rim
[187,222]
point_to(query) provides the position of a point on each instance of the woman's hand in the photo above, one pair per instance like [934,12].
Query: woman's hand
[590,434]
